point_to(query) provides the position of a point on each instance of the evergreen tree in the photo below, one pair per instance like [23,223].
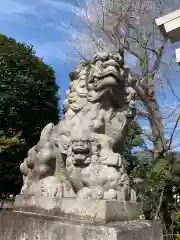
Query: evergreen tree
[28,101]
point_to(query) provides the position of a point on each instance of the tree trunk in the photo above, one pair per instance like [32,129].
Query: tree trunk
[155,121]
[148,97]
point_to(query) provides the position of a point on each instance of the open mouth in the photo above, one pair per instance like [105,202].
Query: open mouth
[81,150]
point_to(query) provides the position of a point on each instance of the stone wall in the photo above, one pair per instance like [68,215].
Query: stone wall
[28,226]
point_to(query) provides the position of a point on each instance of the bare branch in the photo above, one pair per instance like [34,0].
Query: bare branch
[129,26]
[173,131]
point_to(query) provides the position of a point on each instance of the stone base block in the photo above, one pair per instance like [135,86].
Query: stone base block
[99,211]
[26,226]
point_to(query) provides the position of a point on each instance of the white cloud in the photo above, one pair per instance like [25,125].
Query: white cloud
[61,27]
[46,25]
[34,22]
[11,7]
[61,6]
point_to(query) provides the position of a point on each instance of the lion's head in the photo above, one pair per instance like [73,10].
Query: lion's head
[107,71]
[93,79]
[81,144]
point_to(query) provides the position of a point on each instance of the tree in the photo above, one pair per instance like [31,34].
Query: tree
[158,193]
[128,27]
[134,139]
[28,101]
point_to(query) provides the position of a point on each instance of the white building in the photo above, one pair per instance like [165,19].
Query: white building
[169,26]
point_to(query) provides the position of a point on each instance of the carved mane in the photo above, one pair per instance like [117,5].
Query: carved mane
[94,80]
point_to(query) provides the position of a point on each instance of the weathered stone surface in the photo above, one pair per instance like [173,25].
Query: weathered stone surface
[97,211]
[6,204]
[83,153]
[25,226]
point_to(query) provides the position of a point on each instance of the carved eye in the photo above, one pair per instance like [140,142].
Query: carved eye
[118,58]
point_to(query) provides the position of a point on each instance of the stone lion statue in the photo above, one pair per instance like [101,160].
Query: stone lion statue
[81,156]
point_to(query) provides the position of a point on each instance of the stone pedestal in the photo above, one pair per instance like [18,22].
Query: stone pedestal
[30,226]
[45,218]
[96,211]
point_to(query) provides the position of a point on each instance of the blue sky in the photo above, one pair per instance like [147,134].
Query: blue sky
[46,25]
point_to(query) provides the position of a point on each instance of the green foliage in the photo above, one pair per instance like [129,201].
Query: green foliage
[30,87]
[156,185]
[177,224]
[134,139]
[28,101]
[158,192]
[7,142]
[150,188]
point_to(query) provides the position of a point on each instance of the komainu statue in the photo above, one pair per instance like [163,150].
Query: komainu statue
[81,156]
